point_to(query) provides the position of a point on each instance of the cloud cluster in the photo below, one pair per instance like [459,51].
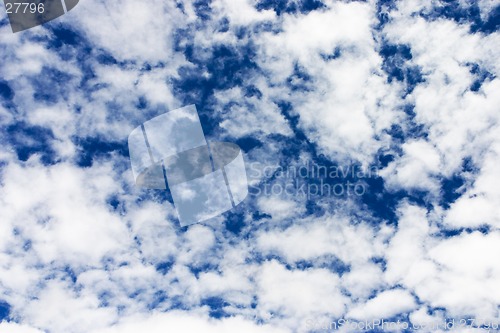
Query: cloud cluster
[404,88]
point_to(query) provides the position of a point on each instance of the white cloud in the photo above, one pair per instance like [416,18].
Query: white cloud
[309,239]
[62,310]
[362,279]
[406,251]
[480,204]
[130,29]
[416,169]
[457,274]
[385,305]
[253,116]
[242,12]
[350,104]
[469,275]
[280,208]
[461,123]
[296,294]
[62,210]
[17,328]
[188,322]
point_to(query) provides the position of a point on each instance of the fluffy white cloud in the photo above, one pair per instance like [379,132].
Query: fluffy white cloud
[309,239]
[460,122]
[479,205]
[297,294]
[385,305]
[457,274]
[254,116]
[351,103]
[61,210]
[17,328]
[130,30]
[242,12]
[188,322]
[416,169]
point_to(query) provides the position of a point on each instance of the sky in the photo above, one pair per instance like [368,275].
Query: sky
[370,132]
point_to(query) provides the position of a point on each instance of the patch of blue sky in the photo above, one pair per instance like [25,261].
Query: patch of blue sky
[329,262]
[164,267]
[227,67]
[159,299]
[203,9]
[455,186]
[92,148]
[397,64]
[282,7]
[6,91]
[467,12]
[445,232]
[50,86]
[28,140]
[4,310]
[217,307]
[481,76]
[384,7]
